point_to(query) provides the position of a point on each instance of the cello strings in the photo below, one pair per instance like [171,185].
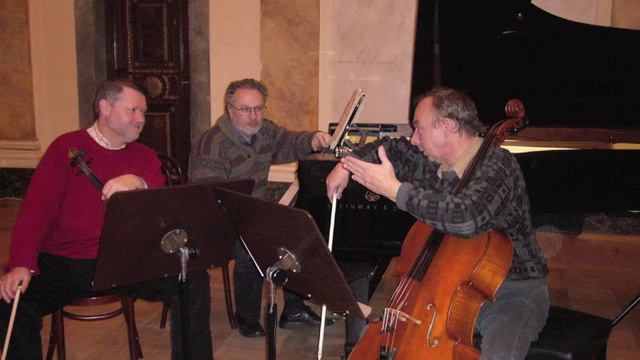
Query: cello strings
[399,297]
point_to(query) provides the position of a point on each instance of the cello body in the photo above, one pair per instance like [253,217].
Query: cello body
[432,312]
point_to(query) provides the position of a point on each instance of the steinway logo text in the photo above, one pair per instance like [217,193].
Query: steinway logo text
[371,196]
[367,207]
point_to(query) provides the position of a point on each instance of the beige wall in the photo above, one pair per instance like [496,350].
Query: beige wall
[235,46]
[55,95]
[626,14]
[16,102]
[236,51]
[372,50]
[316,53]
[616,13]
[366,45]
[290,40]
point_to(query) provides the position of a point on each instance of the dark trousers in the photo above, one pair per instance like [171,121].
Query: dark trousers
[61,280]
[248,288]
[354,325]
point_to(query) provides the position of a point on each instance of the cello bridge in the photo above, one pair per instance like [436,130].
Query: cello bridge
[402,316]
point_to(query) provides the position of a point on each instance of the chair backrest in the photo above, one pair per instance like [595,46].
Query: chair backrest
[171,170]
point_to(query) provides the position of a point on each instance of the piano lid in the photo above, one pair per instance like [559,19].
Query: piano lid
[568,74]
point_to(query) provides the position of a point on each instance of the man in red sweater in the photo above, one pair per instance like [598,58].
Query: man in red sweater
[55,241]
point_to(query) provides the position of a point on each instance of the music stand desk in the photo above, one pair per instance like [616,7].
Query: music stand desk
[267,227]
[136,222]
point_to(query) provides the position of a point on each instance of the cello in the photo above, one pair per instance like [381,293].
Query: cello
[445,281]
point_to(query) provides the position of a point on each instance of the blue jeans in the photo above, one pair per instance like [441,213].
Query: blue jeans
[510,323]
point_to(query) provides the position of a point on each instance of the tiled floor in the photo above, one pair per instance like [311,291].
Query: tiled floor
[599,275]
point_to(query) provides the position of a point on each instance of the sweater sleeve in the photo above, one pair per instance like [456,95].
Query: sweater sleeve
[151,173]
[40,206]
[430,199]
[289,145]
[469,213]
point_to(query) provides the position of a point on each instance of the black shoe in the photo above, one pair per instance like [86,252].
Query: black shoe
[304,318]
[249,328]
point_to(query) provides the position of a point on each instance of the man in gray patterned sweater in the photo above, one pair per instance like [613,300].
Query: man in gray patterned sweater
[420,176]
[243,145]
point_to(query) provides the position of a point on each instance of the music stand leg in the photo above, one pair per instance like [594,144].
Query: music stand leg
[275,276]
[184,312]
[185,254]
[272,312]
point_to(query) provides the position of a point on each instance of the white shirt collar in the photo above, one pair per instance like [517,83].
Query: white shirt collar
[100,139]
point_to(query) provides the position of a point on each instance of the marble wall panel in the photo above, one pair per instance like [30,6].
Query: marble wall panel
[199,68]
[17,119]
[373,42]
[374,31]
[91,55]
[289,51]
[387,88]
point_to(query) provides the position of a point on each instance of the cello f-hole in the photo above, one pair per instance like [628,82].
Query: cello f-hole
[435,342]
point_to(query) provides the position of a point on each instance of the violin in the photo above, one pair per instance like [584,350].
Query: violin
[77,159]
[445,281]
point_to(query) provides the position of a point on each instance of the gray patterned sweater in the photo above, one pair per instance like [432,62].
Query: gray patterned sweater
[222,154]
[495,198]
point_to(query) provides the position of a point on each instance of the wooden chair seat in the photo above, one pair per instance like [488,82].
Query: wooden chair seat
[56,339]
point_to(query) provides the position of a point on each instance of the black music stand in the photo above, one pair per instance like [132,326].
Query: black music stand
[144,231]
[288,247]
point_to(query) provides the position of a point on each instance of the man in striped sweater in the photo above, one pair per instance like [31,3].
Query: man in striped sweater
[420,177]
[243,145]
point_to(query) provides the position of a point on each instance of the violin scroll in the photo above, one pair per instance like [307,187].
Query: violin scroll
[77,159]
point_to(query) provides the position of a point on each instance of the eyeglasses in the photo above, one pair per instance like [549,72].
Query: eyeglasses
[247,110]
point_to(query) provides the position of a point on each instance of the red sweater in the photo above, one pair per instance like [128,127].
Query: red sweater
[62,213]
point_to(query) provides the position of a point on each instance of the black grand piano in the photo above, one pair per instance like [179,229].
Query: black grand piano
[579,83]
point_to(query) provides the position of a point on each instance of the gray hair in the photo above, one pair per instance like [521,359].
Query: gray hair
[454,105]
[111,91]
[244,84]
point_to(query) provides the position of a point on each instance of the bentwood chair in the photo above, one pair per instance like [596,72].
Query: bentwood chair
[56,339]
[174,176]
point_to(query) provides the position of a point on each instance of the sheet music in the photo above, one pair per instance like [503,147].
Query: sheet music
[349,115]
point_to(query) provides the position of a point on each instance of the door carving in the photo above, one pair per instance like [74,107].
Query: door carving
[147,41]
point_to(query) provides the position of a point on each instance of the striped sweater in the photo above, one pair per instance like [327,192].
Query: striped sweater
[495,198]
[223,155]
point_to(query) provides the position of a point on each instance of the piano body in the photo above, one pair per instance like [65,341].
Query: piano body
[579,84]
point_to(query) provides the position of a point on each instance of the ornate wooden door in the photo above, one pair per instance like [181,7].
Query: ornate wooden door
[147,41]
